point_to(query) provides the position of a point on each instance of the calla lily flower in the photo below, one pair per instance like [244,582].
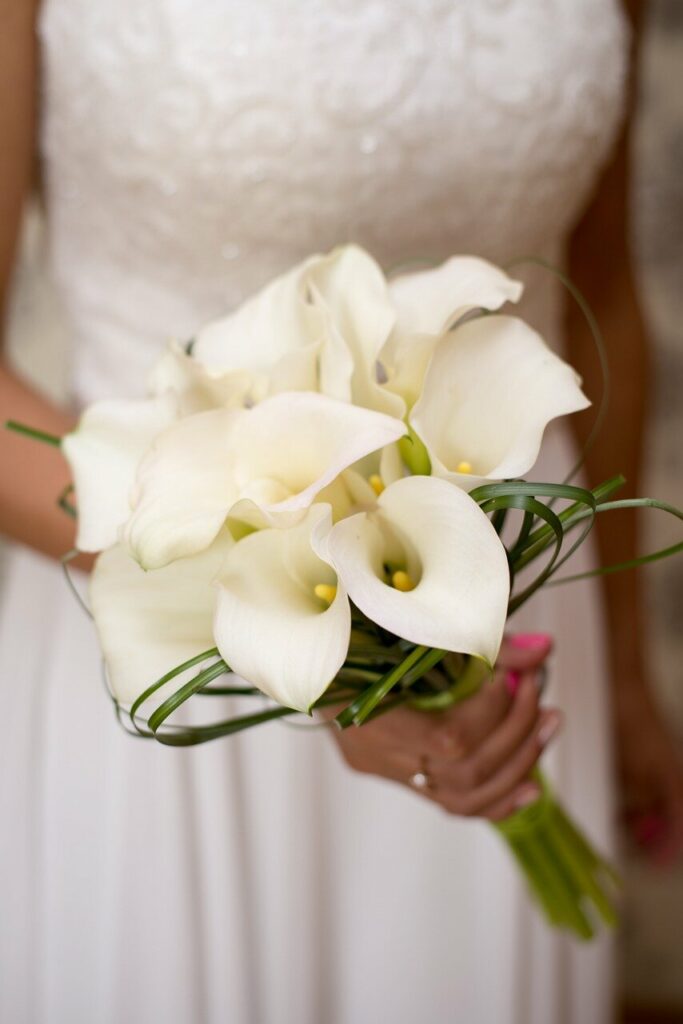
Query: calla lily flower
[103,454]
[264,466]
[275,336]
[334,324]
[424,563]
[149,622]
[301,332]
[430,301]
[427,565]
[427,304]
[391,329]
[491,389]
[282,620]
[350,286]
[318,327]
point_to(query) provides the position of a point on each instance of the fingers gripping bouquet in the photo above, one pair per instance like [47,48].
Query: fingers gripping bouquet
[312,499]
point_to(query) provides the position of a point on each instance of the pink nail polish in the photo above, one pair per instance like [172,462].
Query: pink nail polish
[512,680]
[530,641]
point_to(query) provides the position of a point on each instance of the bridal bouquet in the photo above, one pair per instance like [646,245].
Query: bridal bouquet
[311,503]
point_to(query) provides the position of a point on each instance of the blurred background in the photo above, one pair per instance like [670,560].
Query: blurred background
[651,958]
[651,948]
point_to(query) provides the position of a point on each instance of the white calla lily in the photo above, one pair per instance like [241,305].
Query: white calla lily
[184,488]
[446,563]
[150,622]
[103,453]
[270,625]
[264,466]
[276,335]
[428,303]
[285,336]
[351,287]
[334,324]
[302,441]
[492,387]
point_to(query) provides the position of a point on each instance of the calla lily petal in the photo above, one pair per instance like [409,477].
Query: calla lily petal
[492,387]
[351,287]
[264,466]
[149,622]
[304,441]
[446,546]
[270,626]
[277,332]
[103,453]
[184,489]
[427,303]
[430,301]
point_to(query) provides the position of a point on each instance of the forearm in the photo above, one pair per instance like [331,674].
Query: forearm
[32,475]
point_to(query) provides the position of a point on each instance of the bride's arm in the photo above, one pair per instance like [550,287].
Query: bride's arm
[600,264]
[30,477]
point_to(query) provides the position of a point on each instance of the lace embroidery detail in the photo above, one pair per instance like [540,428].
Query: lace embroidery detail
[192,152]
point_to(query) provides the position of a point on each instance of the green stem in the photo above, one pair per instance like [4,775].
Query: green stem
[358,711]
[581,868]
[466,685]
[563,869]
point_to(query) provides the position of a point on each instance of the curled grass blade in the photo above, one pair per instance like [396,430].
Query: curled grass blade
[367,701]
[539,539]
[65,559]
[198,682]
[189,736]
[171,674]
[634,563]
[33,433]
[529,505]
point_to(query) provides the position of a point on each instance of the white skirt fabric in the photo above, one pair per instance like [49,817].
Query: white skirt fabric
[258,880]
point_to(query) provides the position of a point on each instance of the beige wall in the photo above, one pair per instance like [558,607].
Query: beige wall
[652,946]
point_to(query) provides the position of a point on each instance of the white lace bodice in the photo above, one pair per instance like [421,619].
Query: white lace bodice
[194,150]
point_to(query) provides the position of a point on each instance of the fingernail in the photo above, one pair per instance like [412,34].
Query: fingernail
[526,796]
[530,641]
[512,679]
[550,725]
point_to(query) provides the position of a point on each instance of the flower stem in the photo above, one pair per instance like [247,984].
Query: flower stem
[565,874]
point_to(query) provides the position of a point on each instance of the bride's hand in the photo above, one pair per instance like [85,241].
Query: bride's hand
[476,758]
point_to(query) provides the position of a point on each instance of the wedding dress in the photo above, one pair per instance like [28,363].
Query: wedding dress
[191,152]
